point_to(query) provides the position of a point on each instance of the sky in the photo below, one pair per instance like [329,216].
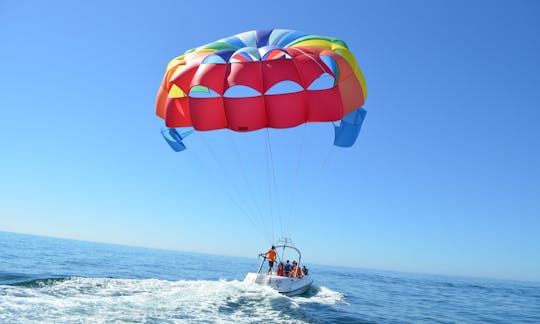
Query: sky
[443,179]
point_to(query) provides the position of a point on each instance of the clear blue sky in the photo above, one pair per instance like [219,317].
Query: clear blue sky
[444,177]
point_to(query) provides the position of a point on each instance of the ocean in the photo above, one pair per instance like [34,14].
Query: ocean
[52,280]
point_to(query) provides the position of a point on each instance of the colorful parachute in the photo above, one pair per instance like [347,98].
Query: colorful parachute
[264,78]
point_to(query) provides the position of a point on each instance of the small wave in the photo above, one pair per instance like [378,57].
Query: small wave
[30,281]
[464,285]
[7,278]
[39,283]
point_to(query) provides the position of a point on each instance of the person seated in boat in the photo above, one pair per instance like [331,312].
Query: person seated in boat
[287,268]
[271,256]
[305,270]
[299,273]
[296,271]
[292,273]
[280,272]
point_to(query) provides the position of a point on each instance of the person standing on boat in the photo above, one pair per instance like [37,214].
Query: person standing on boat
[271,256]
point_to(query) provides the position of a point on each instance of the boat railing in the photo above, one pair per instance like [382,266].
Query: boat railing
[286,244]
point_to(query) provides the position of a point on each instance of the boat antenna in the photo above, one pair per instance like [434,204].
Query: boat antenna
[286,241]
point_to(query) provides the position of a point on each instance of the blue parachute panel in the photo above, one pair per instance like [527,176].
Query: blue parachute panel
[347,132]
[175,138]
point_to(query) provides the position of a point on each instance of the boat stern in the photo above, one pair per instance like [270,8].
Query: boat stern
[283,285]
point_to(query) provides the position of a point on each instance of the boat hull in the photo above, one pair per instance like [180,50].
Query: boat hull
[283,285]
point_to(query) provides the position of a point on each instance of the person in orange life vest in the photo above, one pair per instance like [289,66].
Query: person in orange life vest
[299,273]
[293,270]
[296,272]
[271,256]
[280,272]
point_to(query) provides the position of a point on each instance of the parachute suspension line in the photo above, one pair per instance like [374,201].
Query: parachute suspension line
[228,175]
[209,171]
[269,184]
[274,183]
[327,157]
[258,216]
[294,201]
[222,172]
[224,186]
[228,193]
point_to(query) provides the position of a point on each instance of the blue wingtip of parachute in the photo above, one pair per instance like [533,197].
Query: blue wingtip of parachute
[349,128]
[175,138]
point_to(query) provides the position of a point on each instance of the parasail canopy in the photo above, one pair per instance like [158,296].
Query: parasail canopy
[263,79]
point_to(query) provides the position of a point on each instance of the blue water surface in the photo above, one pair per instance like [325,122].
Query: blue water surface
[46,279]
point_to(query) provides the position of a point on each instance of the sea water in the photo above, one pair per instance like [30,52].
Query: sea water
[57,281]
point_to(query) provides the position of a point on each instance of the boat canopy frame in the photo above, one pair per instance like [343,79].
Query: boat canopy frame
[285,244]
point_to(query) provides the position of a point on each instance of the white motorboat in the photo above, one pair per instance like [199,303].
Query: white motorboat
[289,286]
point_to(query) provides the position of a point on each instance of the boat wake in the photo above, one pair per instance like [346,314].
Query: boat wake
[142,300]
[321,295]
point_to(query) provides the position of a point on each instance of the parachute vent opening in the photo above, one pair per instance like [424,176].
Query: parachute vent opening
[323,82]
[213,59]
[241,91]
[176,92]
[200,91]
[273,53]
[286,86]
[246,54]
[331,64]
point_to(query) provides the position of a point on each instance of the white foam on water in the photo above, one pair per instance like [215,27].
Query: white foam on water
[148,300]
[321,295]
